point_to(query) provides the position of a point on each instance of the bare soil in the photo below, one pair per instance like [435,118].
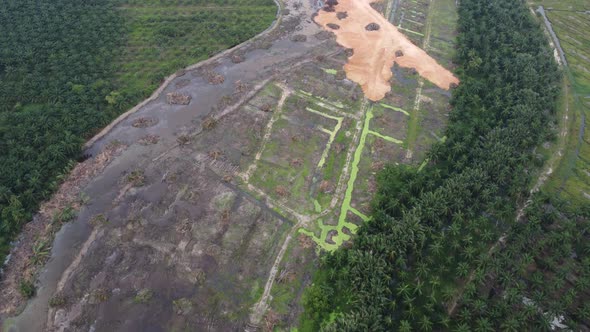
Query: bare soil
[375,50]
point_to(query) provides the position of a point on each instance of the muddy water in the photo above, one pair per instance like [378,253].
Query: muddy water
[171,121]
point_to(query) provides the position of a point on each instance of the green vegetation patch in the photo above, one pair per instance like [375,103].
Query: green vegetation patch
[330,71]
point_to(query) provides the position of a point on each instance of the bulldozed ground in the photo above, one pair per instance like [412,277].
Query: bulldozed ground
[212,213]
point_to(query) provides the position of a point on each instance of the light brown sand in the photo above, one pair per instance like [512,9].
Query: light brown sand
[374,51]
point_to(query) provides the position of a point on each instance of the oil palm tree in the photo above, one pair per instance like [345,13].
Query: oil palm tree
[425,323]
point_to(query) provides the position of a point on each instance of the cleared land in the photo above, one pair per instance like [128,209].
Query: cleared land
[376,45]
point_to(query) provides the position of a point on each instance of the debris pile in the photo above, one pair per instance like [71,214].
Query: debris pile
[333,26]
[299,38]
[144,122]
[237,58]
[266,107]
[241,87]
[175,98]
[372,27]
[326,187]
[323,35]
[214,78]
[330,4]
[209,123]
[341,15]
[149,139]
[282,191]
[182,83]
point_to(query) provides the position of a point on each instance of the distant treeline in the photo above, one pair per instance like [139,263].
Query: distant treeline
[68,67]
[444,249]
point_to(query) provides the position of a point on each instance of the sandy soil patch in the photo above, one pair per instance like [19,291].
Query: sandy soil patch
[375,50]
